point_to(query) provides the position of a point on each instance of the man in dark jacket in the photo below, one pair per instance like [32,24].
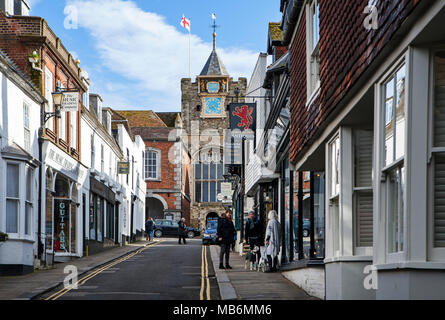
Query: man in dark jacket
[182,230]
[253,231]
[225,234]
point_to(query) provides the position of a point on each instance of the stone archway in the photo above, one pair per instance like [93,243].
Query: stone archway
[211,215]
[155,207]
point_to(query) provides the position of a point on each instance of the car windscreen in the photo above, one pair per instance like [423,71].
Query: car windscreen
[212,224]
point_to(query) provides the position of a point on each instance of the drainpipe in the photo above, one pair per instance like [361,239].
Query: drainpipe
[41,139]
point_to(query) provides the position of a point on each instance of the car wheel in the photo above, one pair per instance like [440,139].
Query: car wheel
[190,234]
[305,233]
[158,233]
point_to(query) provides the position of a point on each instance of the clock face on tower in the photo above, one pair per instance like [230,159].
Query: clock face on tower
[213,106]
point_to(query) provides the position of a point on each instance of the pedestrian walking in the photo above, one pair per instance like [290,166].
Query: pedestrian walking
[225,234]
[273,240]
[252,233]
[182,231]
[149,229]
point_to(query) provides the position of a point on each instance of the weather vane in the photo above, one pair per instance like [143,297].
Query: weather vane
[214,26]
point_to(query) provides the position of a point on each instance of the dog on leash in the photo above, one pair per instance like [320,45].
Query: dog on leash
[251,259]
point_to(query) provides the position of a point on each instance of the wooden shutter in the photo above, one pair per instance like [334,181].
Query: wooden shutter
[439,158]
[439,202]
[363,180]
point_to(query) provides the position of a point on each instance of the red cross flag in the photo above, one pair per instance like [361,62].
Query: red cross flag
[185,23]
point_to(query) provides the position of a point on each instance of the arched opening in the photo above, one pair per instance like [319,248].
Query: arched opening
[211,215]
[154,208]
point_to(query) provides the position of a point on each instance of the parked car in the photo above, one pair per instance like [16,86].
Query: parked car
[209,236]
[165,227]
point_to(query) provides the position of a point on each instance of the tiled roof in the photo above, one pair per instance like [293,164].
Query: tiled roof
[214,66]
[169,118]
[275,33]
[146,118]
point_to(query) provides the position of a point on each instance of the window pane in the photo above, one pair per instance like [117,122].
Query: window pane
[319,214]
[12,176]
[220,171]
[205,171]
[212,191]
[212,170]
[400,114]
[396,186]
[205,192]
[198,192]
[12,207]
[28,215]
[198,171]
[28,184]
[389,129]
[439,99]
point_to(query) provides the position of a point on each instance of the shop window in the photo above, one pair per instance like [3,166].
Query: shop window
[319,215]
[49,211]
[12,197]
[438,156]
[394,152]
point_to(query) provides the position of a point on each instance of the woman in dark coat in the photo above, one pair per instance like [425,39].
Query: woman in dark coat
[226,232]
[182,230]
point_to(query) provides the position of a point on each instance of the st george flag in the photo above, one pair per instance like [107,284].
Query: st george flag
[185,23]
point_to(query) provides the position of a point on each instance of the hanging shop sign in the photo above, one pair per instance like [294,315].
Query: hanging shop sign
[243,120]
[123,167]
[70,102]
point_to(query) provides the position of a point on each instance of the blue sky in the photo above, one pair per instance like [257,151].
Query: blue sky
[136,52]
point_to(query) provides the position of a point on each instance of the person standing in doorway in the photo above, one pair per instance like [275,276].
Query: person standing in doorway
[182,230]
[273,240]
[149,229]
[225,234]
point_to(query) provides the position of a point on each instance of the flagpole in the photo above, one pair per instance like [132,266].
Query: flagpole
[190,58]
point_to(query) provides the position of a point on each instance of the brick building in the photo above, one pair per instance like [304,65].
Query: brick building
[41,56]
[366,102]
[166,163]
[205,121]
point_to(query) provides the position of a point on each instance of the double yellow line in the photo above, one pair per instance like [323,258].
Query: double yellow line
[204,275]
[83,280]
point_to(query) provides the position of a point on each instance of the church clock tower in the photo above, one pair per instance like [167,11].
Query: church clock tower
[206,119]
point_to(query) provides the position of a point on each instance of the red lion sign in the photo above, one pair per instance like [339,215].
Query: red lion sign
[245,113]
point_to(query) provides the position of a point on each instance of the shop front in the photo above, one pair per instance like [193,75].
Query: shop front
[103,217]
[64,177]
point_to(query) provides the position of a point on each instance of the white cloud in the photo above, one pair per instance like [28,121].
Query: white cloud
[142,47]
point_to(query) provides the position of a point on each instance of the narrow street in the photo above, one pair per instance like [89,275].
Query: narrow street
[163,271]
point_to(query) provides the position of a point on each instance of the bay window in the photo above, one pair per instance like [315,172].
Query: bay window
[12,197]
[393,172]
[28,201]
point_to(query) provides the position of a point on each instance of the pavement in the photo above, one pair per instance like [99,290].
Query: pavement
[240,283]
[31,285]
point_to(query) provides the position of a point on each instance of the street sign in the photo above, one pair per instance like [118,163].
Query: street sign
[123,167]
[226,189]
[70,101]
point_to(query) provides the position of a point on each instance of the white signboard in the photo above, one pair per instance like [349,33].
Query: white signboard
[226,189]
[70,101]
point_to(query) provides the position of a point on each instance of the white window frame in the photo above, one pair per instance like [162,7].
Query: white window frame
[73,129]
[312,52]
[333,203]
[14,235]
[158,164]
[26,126]
[434,253]
[383,169]
[49,80]
[29,202]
